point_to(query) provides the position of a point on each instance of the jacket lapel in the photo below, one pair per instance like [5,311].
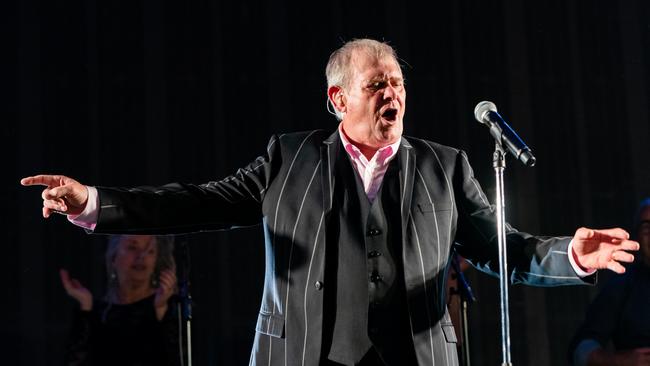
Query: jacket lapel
[328,156]
[406,158]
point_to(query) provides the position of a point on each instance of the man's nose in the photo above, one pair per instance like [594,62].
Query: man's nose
[390,93]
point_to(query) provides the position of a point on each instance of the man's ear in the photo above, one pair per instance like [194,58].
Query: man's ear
[337,98]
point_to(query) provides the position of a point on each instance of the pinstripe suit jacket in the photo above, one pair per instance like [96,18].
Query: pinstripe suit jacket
[289,190]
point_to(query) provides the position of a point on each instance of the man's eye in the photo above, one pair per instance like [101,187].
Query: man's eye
[375,85]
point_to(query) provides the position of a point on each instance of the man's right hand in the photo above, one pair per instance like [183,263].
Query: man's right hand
[63,195]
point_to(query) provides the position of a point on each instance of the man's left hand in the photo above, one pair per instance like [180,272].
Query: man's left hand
[600,249]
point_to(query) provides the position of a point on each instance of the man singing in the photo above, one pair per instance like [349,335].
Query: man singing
[359,226]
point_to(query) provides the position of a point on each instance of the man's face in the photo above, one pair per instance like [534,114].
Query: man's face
[375,101]
[644,234]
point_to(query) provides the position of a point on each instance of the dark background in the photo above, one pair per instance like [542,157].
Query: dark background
[147,92]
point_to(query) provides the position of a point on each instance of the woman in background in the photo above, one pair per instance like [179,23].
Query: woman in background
[135,323]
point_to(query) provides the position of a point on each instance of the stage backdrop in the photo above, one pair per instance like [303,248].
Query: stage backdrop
[147,92]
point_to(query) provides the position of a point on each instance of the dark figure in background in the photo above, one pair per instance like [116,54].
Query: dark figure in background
[135,323]
[620,313]
[454,297]
[359,225]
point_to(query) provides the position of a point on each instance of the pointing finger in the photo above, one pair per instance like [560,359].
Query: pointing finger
[43,180]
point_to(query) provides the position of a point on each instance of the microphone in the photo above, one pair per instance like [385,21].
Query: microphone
[486,113]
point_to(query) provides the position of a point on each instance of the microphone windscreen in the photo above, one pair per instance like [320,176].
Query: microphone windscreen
[482,108]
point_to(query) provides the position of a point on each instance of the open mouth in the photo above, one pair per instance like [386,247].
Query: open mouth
[390,114]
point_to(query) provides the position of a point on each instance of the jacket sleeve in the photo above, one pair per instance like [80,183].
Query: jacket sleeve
[533,260]
[180,208]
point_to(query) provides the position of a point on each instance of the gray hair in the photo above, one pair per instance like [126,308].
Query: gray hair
[338,71]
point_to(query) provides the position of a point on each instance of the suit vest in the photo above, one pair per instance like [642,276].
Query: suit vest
[367,308]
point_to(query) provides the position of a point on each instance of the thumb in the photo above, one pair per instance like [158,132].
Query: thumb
[584,233]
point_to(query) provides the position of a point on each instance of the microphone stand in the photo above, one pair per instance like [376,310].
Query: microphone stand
[464,290]
[185,301]
[499,164]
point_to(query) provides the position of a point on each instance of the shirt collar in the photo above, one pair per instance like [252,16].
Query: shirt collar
[382,156]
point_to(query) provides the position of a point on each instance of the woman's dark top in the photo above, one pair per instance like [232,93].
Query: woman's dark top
[125,335]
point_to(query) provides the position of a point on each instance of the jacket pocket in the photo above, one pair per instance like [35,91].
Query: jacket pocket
[449,332]
[270,324]
[430,207]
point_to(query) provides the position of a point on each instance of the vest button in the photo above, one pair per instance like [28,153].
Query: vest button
[374,232]
[375,277]
[373,254]
[318,285]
